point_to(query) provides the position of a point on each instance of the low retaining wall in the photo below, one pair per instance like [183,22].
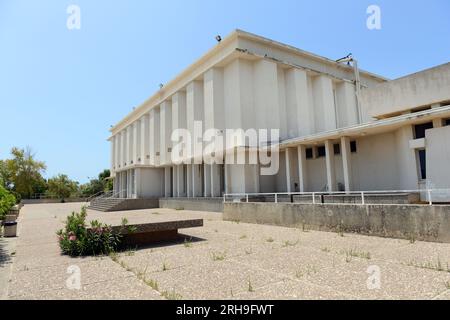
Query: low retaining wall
[419,222]
[42,201]
[137,204]
[195,204]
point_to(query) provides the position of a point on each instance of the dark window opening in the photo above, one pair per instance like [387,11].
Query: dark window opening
[309,153]
[423,164]
[337,149]
[321,151]
[419,129]
[353,148]
[447,122]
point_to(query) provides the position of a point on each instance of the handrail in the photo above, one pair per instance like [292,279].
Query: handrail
[362,194]
[95,196]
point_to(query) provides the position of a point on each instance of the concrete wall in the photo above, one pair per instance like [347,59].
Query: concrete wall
[426,223]
[150,182]
[41,201]
[438,157]
[416,90]
[137,204]
[197,204]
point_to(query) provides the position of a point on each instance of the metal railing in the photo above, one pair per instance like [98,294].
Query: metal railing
[428,196]
[95,196]
[43,196]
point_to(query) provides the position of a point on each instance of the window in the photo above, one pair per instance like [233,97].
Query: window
[353,148]
[422,164]
[309,153]
[447,122]
[419,129]
[337,149]
[321,152]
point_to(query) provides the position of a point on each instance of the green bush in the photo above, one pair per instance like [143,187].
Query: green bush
[7,201]
[77,240]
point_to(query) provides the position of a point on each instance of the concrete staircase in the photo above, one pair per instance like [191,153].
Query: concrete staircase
[106,204]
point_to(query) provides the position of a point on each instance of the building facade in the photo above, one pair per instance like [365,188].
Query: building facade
[339,128]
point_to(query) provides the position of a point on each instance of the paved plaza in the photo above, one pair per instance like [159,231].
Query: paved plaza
[222,260]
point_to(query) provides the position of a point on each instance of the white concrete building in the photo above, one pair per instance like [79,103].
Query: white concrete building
[340,130]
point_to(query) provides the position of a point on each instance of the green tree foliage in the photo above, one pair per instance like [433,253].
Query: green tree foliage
[22,174]
[61,186]
[7,201]
[96,186]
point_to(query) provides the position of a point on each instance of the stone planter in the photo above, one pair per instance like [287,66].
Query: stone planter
[10,217]
[9,229]
[14,210]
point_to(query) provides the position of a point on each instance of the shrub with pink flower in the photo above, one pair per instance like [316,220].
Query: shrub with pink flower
[78,240]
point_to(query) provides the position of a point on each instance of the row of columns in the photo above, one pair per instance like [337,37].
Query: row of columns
[125,183]
[193,181]
[301,171]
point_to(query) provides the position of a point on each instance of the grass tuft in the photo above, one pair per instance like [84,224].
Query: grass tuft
[218,256]
[171,295]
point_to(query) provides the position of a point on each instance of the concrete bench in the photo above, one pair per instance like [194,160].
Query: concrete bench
[142,234]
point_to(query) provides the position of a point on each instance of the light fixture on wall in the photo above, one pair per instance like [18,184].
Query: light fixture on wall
[218,38]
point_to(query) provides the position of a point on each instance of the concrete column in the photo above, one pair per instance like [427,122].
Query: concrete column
[324,107]
[331,174]
[227,178]
[179,112]
[137,183]
[214,112]
[165,133]
[156,128]
[112,142]
[180,181]
[194,112]
[136,142]
[130,145]
[145,139]
[289,175]
[437,123]
[265,83]
[207,180]
[127,147]
[167,182]
[299,106]
[302,172]
[197,181]
[175,181]
[346,163]
[215,180]
[189,185]
[347,110]
[124,148]
[117,152]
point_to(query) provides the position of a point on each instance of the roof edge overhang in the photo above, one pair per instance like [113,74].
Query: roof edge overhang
[175,84]
[370,128]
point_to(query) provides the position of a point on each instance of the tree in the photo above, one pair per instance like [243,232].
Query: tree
[23,173]
[107,183]
[62,186]
[7,201]
[95,186]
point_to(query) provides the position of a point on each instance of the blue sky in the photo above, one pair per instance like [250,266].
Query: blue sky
[60,90]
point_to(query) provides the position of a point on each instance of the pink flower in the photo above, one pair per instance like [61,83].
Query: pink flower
[72,238]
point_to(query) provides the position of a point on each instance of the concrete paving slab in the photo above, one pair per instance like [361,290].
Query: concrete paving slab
[251,262]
